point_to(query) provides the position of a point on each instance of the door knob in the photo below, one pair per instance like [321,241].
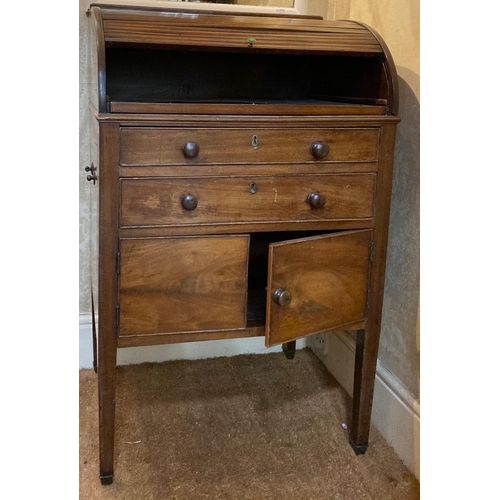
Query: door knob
[282,297]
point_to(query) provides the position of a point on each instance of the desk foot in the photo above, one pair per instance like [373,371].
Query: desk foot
[105,480]
[359,450]
[289,349]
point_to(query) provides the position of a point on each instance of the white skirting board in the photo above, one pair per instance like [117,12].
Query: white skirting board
[85,341]
[396,412]
[169,352]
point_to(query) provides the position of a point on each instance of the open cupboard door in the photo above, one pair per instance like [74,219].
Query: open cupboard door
[316,284]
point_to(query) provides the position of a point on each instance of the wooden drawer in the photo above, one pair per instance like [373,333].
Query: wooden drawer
[170,285]
[224,200]
[164,146]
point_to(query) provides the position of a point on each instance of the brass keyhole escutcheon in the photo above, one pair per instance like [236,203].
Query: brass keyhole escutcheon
[255,142]
[253,188]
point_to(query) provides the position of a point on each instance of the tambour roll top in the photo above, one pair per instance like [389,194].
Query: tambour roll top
[164,61]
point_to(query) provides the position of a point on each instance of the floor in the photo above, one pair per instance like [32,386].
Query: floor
[245,427]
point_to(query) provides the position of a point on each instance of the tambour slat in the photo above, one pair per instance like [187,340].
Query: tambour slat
[233,31]
[234,21]
[166,23]
[161,27]
[240,40]
[114,32]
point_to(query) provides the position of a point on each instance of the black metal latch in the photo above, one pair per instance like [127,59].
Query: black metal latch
[93,171]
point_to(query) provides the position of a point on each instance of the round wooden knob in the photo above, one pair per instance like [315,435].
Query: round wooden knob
[189,201]
[319,150]
[316,200]
[282,297]
[190,149]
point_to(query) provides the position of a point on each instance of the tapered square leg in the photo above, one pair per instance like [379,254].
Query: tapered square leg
[109,134]
[106,480]
[289,349]
[367,340]
[107,390]
[106,423]
[364,382]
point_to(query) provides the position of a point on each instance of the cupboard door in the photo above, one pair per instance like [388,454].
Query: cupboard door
[316,284]
[170,285]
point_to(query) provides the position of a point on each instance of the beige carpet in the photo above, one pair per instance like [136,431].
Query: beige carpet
[246,427]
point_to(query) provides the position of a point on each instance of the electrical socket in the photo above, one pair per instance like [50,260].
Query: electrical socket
[319,343]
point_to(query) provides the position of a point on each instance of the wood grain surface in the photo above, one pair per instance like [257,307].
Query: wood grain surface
[327,278]
[242,170]
[212,30]
[162,146]
[108,297]
[368,340]
[175,338]
[157,202]
[245,228]
[183,284]
[247,109]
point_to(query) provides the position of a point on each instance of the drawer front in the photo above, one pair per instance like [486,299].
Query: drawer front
[219,200]
[162,146]
[172,285]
